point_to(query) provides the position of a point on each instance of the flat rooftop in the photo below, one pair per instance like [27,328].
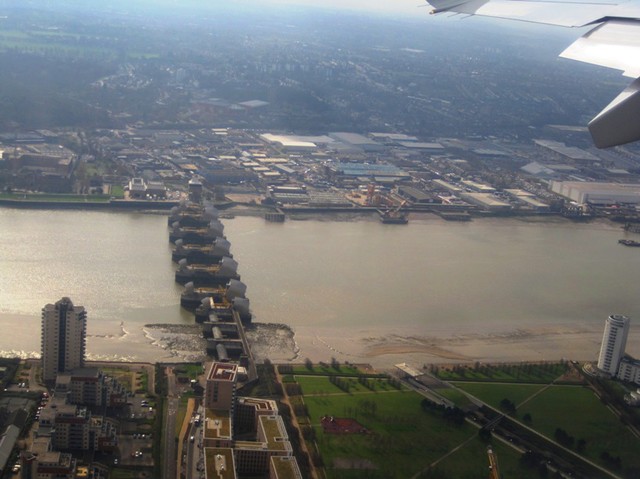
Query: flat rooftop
[223,372]
[219,463]
[261,405]
[274,433]
[217,424]
[285,467]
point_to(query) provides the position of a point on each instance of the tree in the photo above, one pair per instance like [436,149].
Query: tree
[308,364]
[527,418]
[508,406]
[335,364]
[484,434]
[581,445]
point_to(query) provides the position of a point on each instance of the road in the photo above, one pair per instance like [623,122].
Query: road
[168,439]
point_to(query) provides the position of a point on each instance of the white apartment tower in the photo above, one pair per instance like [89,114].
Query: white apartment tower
[614,341]
[64,330]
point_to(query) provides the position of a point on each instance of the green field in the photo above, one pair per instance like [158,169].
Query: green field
[319,385]
[403,440]
[578,411]
[327,370]
[67,43]
[456,396]
[575,409]
[117,191]
[492,394]
[543,373]
[55,198]
[467,462]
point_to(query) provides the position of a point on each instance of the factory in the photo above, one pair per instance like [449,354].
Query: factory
[597,193]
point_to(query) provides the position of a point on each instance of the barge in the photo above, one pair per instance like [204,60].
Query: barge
[393,217]
[631,243]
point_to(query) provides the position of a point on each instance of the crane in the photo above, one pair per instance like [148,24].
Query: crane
[494,473]
[394,215]
[373,199]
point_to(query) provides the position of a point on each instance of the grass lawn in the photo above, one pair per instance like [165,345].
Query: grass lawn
[55,198]
[117,191]
[322,385]
[575,409]
[456,396]
[123,376]
[123,473]
[402,440]
[582,415]
[180,414]
[492,394]
[327,370]
[516,373]
[193,370]
[467,462]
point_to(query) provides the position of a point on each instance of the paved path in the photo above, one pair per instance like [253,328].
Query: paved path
[169,460]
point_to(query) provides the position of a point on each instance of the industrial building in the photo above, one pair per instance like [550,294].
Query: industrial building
[486,201]
[528,199]
[357,142]
[598,193]
[64,331]
[416,196]
[366,171]
[561,152]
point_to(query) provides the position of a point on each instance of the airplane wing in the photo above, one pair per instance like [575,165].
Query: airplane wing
[614,42]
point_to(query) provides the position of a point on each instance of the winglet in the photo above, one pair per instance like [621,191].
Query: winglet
[618,123]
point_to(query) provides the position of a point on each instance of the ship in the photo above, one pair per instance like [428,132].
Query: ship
[394,216]
[627,242]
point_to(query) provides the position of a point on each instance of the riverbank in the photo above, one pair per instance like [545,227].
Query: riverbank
[384,348]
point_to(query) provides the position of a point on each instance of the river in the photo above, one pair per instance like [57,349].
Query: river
[343,286]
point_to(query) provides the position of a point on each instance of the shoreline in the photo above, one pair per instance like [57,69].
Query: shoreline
[385,350]
[381,347]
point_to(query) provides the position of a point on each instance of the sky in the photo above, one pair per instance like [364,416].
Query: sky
[405,7]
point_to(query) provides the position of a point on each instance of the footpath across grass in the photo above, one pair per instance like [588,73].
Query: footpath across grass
[587,426]
[402,438]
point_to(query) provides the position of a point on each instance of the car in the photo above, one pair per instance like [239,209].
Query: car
[192,438]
